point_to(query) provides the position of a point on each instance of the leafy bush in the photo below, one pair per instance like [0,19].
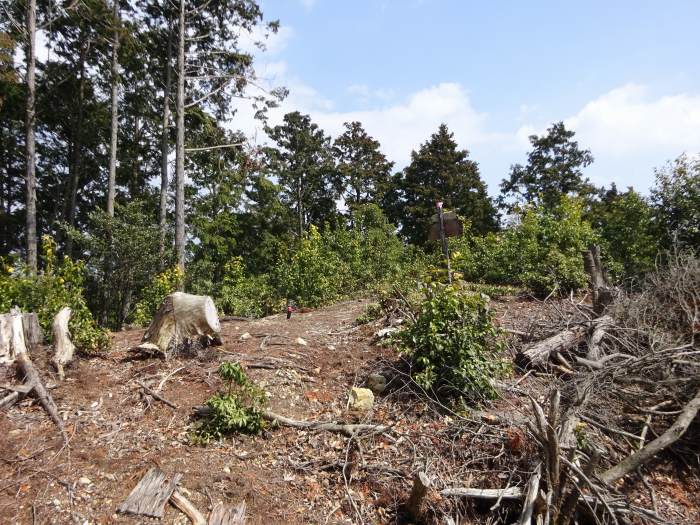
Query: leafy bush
[372,312]
[453,345]
[59,284]
[164,284]
[239,409]
[249,296]
[542,251]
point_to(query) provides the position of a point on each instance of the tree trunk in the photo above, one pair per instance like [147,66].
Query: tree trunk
[164,149]
[63,346]
[115,113]
[182,323]
[180,144]
[77,160]
[30,122]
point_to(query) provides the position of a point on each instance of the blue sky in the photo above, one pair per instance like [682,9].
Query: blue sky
[624,75]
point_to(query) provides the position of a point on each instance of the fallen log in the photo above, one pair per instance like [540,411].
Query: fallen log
[182,323]
[668,438]
[538,354]
[595,352]
[63,346]
[468,492]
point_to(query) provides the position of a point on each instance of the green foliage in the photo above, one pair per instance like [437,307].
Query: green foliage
[453,345]
[372,312]
[60,284]
[676,198]
[439,172]
[339,262]
[164,284]
[246,295]
[239,409]
[542,251]
[626,225]
[554,168]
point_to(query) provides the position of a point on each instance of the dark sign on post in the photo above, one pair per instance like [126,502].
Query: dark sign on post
[453,226]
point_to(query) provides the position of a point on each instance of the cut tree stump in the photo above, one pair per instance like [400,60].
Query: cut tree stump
[419,490]
[33,334]
[228,515]
[183,323]
[149,496]
[63,346]
[15,348]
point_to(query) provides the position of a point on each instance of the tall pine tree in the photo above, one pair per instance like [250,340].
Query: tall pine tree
[439,171]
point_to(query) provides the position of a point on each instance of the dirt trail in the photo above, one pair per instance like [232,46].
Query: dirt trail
[115,438]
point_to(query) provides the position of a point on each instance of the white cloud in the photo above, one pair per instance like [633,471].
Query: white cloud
[308,4]
[628,120]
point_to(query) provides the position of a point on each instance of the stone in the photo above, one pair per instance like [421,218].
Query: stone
[300,341]
[85,481]
[376,383]
[244,336]
[381,334]
[361,399]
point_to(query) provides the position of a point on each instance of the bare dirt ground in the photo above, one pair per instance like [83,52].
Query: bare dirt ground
[286,475]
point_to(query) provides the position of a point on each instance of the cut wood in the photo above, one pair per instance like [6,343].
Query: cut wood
[668,438]
[33,334]
[532,492]
[537,354]
[13,324]
[468,492]
[597,277]
[228,515]
[183,322]
[187,508]
[419,490]
[595,352]
[63,346]
[9,400]
[342,428]
[149,496]
[349,429]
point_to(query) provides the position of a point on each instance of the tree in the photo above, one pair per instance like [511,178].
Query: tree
[363,170]
[440,172]
[554,168]
[625,222]
[303,165]
[114,128]
[30,122]
[676,200]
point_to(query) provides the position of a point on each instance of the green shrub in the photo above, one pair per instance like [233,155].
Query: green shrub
[246,295]
[239,409]
[542,251]
[164,284]
[61,283]
[372,312]
[453,345]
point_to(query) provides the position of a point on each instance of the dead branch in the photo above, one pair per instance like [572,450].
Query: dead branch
[156,395]
[349,430]
[668,438]
[187,508]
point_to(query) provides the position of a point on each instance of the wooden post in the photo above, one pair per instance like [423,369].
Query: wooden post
[443,239]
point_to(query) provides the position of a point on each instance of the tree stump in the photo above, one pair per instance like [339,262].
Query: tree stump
[63,346]
[182,324]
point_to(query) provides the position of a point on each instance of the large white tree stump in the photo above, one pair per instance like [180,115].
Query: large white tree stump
[63,346]
[183,323]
